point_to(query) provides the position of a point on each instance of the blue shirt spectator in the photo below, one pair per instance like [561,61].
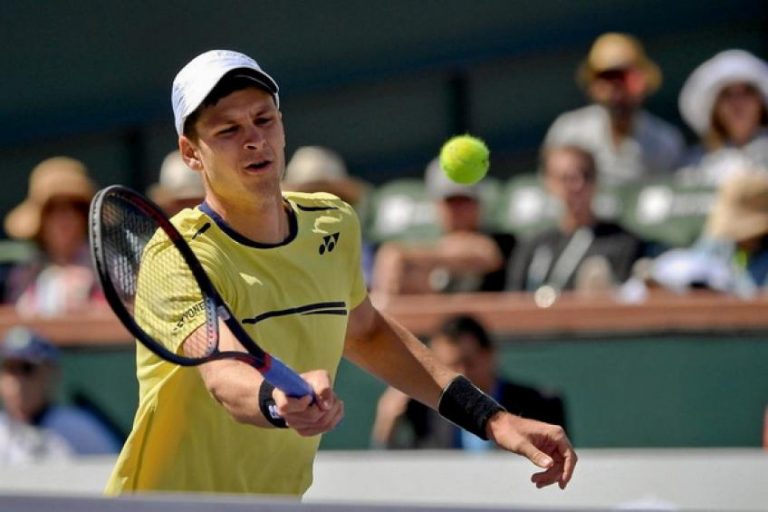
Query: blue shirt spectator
[32,427]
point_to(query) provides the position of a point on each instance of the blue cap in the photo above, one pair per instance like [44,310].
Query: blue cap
[22,344]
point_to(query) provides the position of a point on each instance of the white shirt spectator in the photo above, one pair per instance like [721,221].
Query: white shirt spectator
[655,147]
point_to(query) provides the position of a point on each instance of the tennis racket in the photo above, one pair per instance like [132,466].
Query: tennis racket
[157,287]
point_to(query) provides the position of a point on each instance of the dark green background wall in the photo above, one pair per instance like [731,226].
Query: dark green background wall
[656,391]
[383,82]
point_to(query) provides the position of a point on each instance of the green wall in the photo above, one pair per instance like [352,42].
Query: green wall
[655,391]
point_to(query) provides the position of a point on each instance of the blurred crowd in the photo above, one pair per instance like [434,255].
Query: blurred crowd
[616,186]
[619,205]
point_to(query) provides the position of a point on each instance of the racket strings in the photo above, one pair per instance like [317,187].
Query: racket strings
[154,282]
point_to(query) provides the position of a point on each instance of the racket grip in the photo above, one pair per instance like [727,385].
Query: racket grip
[287,380]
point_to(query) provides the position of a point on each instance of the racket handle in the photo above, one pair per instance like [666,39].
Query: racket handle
[287,380]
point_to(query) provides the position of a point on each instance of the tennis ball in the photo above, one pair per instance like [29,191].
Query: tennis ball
[464,159]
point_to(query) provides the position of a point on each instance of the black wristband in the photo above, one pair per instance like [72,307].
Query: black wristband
[268,407]
[465,405]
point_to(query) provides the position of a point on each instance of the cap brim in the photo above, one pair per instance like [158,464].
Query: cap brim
[585,74]
[257,77]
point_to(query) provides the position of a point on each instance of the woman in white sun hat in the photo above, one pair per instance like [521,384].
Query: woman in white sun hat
[725,102]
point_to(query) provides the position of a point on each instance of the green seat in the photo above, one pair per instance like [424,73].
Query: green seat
[401,210]
[525,207]
[669,213]
[15,251]
[610,202]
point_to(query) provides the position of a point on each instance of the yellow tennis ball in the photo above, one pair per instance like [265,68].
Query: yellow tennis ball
[464,159]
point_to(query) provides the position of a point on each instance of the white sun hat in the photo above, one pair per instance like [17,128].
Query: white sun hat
[700,91]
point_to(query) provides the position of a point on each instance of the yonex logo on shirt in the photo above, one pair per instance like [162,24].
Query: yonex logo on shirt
[329,243]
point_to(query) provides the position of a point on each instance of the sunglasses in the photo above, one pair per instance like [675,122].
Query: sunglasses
[613,74]
[20,368]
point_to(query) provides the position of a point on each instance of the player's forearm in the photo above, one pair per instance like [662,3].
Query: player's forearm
[393,354]
[235,386]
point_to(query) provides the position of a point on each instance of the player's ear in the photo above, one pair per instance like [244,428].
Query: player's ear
[190,153]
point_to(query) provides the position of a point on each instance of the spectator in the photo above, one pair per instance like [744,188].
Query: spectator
[32,427]
[629,143]
[463,344]
[725,102]
[59,279]
[319,169]
[559,257]
[732,255]
[179,186]
[465,258]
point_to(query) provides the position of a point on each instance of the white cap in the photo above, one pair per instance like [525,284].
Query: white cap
[198,78]
[700,91]
[179,180]
[319,169]
[681,269]
[315,163]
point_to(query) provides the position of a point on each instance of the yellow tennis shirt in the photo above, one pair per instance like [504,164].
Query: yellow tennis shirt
[294,299]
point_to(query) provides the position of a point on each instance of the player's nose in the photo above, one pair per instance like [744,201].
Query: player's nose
[254,138]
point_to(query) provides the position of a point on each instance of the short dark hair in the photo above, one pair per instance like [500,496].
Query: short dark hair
[232,81]
[590,171]
[456,326]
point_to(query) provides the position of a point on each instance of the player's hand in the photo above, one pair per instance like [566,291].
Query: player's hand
[545,445]
[311,418]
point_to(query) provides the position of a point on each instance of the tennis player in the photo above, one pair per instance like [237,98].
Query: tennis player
[288,265]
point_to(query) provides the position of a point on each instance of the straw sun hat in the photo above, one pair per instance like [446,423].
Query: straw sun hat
[613,51]
[741,209]
[57,177]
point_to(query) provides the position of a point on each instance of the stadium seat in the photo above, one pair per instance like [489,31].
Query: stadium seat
[401,210]
[669,213]
[13,252]
[525,207]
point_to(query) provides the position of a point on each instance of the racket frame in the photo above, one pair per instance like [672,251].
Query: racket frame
[274,370]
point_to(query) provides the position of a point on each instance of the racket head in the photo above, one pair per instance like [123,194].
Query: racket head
[160,291]
[151,279]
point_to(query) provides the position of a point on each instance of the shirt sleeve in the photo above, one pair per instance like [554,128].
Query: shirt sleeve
[358,289]
[169,302]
